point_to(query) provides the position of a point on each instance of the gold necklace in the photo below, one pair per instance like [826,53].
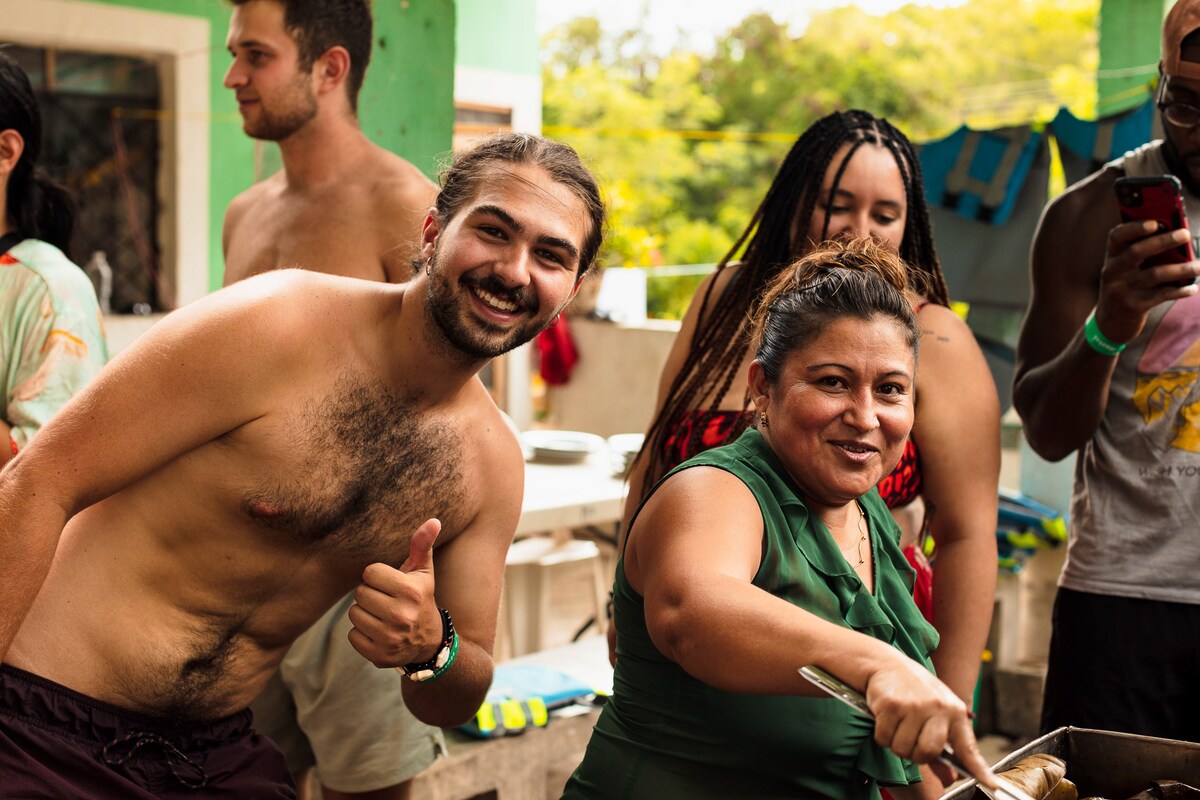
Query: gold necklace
[862,537]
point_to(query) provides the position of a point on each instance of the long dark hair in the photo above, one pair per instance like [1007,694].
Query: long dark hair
[720,342]
[40,207]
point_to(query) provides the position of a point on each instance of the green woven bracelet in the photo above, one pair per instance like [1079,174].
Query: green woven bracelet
[1098,341]
[444,668]
[437,666]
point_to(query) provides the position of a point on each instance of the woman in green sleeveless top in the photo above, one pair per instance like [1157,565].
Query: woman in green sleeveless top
[775,552]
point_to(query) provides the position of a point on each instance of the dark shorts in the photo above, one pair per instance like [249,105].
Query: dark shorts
[1124,664]
[57,743]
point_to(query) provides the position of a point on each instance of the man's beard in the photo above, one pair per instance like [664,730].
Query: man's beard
[475,337]
[299,106]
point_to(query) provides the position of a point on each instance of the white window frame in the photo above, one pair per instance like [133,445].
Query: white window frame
[180,45]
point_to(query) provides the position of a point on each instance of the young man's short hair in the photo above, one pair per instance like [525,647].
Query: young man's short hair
[318,25]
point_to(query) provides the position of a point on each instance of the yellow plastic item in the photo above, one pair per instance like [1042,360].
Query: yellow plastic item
[511,716]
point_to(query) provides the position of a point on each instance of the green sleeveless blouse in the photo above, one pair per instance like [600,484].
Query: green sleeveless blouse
[664,734]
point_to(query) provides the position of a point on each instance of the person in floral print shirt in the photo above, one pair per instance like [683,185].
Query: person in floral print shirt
[51,333]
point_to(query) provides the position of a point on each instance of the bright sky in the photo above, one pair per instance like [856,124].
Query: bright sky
[700,21]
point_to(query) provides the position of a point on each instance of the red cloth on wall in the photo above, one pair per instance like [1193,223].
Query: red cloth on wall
[557,353]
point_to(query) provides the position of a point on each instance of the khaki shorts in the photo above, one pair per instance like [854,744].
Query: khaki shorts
[329,707]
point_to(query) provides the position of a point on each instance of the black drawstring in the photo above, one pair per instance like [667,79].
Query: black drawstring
[174,757]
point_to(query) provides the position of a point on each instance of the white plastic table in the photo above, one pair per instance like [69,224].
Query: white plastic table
[559,496]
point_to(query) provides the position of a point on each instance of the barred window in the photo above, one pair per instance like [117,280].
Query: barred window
[101,137]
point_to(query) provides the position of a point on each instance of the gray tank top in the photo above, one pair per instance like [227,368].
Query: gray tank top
[1135,509]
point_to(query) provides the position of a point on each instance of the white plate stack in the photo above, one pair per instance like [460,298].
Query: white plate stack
[624,448]
[560,447]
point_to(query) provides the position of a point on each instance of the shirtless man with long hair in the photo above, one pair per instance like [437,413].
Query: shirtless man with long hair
[256,455]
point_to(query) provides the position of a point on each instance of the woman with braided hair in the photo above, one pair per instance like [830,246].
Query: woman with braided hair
[852,173]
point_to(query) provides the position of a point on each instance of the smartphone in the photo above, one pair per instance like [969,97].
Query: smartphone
[1158,198]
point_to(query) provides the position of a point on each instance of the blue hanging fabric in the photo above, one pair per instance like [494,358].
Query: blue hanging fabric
[1097,142]
[978,174]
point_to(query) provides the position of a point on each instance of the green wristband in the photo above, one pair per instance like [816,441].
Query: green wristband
[1098,341]
[445,667]
[441,662]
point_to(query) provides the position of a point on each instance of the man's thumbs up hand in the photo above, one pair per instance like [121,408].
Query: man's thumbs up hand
[420,549]
[395,615]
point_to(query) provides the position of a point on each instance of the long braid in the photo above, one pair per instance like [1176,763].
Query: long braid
[917,247]
[773,239]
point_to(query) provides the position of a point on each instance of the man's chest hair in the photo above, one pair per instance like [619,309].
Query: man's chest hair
[364,469]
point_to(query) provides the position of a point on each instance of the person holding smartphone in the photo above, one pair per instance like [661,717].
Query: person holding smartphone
[1108,367]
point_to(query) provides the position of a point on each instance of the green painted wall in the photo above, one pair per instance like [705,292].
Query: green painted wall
[1130,37]
[499,36]
[406,104]
[407,101]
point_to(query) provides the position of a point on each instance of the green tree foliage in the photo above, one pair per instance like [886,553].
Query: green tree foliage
[687,142]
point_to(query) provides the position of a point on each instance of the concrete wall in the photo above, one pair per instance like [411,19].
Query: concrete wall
[615,384]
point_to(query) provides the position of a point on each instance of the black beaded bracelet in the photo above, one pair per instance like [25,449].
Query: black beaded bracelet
[447,641]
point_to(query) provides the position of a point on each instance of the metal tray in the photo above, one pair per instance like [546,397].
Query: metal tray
[1106,763]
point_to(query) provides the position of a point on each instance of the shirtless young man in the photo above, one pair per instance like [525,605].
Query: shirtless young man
[341,204]
[253,457]
[344,206]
